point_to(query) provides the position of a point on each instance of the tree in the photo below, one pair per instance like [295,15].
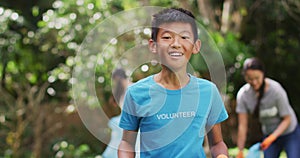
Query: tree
[24,82]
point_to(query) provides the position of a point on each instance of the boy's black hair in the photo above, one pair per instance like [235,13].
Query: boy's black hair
[170,15]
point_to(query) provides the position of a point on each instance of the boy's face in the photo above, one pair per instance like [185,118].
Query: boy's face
[175,44]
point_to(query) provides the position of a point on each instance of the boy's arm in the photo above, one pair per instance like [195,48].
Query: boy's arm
[127,145]
[218,147]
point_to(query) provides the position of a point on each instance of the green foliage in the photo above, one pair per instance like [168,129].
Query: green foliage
[272,31]
[234,151]
[234,52]
[63,149]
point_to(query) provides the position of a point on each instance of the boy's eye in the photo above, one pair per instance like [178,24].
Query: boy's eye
[185,37]
[166,37]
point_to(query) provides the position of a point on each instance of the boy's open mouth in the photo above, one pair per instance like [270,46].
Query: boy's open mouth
[175,54]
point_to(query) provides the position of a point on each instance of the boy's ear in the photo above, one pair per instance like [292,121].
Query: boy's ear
[152,45]
[197,46]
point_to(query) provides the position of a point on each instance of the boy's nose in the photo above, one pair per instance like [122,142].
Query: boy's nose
[176,44]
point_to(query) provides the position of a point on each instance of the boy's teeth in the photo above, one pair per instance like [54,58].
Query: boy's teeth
[175,54]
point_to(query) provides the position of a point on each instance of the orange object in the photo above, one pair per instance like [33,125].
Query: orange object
[267,142]
[240,154]
[222,156]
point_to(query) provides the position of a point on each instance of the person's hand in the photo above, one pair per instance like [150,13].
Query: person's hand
[222,156]
[240,154]
[267,142]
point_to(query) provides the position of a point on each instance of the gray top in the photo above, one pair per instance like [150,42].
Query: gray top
[274,105]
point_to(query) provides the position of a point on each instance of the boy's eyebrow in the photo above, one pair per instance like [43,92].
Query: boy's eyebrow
[170,31]
[185,32]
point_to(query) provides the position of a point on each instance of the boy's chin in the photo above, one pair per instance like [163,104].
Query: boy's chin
[173,68]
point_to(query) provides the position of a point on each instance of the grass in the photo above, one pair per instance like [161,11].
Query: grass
[234,151]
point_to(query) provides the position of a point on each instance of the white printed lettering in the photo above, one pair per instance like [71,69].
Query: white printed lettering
[184,114]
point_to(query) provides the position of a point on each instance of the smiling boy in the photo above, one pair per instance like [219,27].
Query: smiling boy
[173,109]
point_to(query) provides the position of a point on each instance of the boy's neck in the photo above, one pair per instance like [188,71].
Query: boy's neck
[172,80]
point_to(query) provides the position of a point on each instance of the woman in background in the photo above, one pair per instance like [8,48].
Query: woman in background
[266,99]
[120,82]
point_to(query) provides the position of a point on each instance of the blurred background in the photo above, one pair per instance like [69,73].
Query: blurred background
[38,44]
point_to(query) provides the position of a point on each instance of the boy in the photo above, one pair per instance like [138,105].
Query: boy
[173,109]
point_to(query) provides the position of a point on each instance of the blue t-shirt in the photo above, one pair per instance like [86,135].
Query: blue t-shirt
[172,123]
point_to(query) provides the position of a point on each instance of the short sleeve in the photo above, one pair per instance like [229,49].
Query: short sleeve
[240,102]
[129,121]
[218,111]
[283,104]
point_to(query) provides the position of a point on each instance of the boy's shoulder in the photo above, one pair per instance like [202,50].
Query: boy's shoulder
[203,82]
[142,83]
[148,82]
[140,90]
